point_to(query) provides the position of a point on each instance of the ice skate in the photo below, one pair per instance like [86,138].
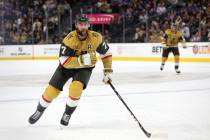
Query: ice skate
[67,115]
[161,67]
[36,116]
[177,71]
[65,119]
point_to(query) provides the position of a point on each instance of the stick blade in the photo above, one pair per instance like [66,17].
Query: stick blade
[159,136]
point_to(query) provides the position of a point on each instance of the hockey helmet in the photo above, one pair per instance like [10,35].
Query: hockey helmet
[82,21]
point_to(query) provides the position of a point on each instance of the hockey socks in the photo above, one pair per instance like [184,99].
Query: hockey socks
[38,113]
[67,115]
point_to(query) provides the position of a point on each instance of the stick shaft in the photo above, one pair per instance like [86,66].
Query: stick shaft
[121,99]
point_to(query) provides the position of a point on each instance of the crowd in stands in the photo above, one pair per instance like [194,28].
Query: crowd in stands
[47,21]
[32,22]
[154,17]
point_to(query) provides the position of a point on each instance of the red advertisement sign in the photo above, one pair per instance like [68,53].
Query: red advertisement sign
[103,18]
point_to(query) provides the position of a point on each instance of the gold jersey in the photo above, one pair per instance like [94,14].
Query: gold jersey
[83,49]
[172,38]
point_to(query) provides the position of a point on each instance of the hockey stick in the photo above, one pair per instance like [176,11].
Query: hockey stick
[149,135]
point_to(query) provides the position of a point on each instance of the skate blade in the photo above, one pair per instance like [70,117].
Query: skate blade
[61,127]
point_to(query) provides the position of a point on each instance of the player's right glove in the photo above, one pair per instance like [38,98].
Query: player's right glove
[107,75]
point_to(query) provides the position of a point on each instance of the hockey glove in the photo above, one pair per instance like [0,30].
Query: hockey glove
[107,75]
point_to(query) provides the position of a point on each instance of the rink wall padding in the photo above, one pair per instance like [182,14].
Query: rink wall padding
[195,52]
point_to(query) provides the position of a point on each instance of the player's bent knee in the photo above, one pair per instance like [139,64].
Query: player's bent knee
[75,89]
[50,93]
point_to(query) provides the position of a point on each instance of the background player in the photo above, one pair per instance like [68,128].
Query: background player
[171,39]
[77,59]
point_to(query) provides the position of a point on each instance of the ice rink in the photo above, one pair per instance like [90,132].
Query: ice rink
[164,102]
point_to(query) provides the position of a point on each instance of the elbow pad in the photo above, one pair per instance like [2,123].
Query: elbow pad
[66,51]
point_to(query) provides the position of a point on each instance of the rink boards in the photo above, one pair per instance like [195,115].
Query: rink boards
[195,52]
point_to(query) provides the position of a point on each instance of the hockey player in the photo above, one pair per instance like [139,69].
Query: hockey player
[170,40]
[77,59]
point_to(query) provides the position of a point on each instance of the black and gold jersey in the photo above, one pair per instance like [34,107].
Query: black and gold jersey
[172,38]
[73,51]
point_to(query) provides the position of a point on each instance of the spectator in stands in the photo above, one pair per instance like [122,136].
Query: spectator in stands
[139,34]
[165,25]
[107,36]
[204,34]
[15,37]
[186,31]
[23,37]
[143,17]
[209,35]
[196,37]
[55,39]
[161,8]
[51,17]
[1,40]
[155,36]
[37,25]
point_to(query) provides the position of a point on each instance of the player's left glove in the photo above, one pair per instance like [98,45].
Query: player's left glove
[107,75]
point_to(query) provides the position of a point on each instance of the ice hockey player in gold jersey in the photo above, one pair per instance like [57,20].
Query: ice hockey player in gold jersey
[170,40]
[77,59]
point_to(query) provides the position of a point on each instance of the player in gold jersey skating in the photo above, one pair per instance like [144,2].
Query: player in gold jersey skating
[77,60]
[170,40]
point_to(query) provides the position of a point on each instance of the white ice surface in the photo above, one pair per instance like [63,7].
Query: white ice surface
[164,102]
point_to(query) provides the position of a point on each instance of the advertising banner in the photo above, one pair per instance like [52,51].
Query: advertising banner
[103,18]
[195,52]
[46,50]
[16,51]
